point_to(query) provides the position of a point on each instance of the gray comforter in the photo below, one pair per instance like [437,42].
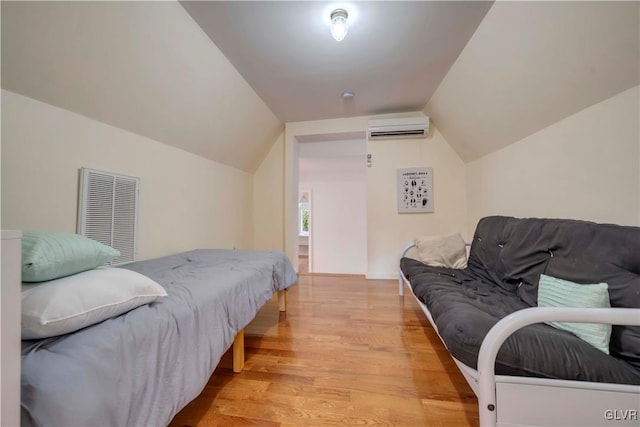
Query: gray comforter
[141,368]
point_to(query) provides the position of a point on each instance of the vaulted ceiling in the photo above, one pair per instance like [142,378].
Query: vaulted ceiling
[146,67]
[393,58]
[219,79]
[531,64]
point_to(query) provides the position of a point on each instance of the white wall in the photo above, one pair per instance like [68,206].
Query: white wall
[186,201]
[585,167]
[339,205]
[387,231]
[268,200]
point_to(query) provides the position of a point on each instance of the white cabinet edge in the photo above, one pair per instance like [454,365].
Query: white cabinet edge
[11,234]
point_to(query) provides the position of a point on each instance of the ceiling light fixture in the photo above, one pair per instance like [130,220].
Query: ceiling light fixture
[339,26]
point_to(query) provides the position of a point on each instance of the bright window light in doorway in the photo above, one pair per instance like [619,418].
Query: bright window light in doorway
[339,27]
[303,224]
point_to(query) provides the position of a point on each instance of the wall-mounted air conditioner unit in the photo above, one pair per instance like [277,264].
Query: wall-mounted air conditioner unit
[398,128]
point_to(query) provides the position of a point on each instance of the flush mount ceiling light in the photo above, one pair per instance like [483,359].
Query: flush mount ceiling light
[339,26]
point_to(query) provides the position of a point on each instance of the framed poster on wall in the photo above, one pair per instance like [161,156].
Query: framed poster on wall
[415,190]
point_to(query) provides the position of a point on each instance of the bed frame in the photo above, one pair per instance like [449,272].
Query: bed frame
[238,340]
[524,401]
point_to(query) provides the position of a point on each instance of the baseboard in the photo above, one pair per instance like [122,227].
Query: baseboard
[382,276]
[332,275]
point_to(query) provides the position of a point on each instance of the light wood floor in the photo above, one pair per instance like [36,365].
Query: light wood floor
[348,352]
[303,264]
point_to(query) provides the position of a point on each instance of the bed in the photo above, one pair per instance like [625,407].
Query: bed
[144,366]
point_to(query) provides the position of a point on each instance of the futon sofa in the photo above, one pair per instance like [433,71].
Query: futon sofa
[495,300]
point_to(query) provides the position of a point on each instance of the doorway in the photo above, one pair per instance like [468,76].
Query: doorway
[332,175]
[304,232]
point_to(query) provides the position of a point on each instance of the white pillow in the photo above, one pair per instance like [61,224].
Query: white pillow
[74,302]
[442,251]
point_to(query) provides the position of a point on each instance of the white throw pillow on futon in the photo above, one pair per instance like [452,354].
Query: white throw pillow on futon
[442,251]
[74,302]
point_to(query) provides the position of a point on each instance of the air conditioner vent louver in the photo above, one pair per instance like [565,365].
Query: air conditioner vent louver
[383,134]
[399,128]
[108,211]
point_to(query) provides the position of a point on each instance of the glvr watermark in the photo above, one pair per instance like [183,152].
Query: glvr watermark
[621,414]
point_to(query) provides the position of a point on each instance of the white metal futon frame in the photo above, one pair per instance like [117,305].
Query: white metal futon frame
[525,401]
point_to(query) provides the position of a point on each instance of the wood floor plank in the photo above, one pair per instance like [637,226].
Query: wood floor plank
[347,352]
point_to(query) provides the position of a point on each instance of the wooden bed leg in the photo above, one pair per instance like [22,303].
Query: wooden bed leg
[238,352]
[282,300]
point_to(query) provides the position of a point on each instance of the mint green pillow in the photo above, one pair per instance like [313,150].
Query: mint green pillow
[553,292]
[48,255]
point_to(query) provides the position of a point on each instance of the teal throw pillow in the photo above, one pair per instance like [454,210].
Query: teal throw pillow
[553,292]
[48,255]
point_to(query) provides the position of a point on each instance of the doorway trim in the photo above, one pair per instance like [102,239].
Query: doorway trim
[295,132]
[310,235]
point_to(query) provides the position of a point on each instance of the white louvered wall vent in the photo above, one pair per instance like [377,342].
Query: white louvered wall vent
[108,211]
